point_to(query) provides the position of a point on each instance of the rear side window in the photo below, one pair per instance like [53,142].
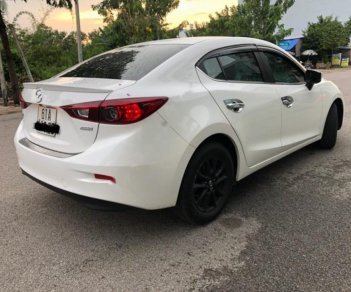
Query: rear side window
[283,70]
[241,67]
[233,67]
[212,68]
[129,63]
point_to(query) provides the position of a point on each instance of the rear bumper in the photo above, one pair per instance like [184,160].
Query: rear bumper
[147,176]
[90,202]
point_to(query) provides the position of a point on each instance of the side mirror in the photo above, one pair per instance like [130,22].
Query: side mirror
[312,77]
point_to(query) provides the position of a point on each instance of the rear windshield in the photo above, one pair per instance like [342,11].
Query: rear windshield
[128,63]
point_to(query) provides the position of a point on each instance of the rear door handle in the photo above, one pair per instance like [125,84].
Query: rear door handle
[236,105]
[288,101]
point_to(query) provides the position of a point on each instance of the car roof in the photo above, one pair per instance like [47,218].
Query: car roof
[208,40]
[181,65]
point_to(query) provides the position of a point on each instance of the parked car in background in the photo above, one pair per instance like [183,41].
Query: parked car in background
[173,123]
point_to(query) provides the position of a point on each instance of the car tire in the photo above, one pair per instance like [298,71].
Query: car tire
[330,131]
[206,185]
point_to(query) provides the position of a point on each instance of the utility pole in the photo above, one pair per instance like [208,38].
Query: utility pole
[79,34]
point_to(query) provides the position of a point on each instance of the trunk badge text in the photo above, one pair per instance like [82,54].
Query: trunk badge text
[87,129]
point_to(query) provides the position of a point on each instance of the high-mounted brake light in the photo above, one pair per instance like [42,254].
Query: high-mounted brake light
[117,111]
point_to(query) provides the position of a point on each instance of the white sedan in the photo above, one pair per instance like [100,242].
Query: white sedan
[173,123]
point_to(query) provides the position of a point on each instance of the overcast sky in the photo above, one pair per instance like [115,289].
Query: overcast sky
[305,11]
[62,19]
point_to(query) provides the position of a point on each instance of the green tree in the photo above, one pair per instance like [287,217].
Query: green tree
[348,26]
[8,55]
[133,21]
[220,24]
[6,45]
[253,18]
[98,41]
[325,36]
[48,51]
[261,19]
[157,10]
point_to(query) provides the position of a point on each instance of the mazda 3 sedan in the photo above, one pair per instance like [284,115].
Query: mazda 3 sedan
[173,123]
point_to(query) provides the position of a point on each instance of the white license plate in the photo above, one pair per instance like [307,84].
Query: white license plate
[46,121]
[47,115]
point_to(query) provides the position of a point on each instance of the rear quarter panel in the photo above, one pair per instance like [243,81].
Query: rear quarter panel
[190,111]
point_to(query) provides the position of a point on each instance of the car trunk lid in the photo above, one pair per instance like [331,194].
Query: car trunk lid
[48,125]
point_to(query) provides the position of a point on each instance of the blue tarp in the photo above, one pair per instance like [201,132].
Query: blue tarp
[288,45]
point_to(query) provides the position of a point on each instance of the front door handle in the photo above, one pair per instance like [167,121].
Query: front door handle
[288,101]
[235,105]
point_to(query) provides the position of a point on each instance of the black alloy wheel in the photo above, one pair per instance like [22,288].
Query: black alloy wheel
[207,184]
[210,179]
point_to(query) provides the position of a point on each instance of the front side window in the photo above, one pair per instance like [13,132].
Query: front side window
[283,70]
[241,67]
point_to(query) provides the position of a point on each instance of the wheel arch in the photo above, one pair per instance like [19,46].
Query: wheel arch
[228,143]
[219,132]
[225,135]
[340,107]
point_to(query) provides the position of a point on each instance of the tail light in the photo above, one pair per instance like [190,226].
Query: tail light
[118,111]
[23,103]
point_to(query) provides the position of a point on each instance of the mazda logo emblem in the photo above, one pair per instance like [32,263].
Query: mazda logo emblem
[39,95]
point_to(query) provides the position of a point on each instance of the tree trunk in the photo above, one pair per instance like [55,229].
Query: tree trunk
[79,33]
[158,27]
[9,60]
[3,82]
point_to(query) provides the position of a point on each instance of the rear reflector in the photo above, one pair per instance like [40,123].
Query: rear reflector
[105,177]
[117,111]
